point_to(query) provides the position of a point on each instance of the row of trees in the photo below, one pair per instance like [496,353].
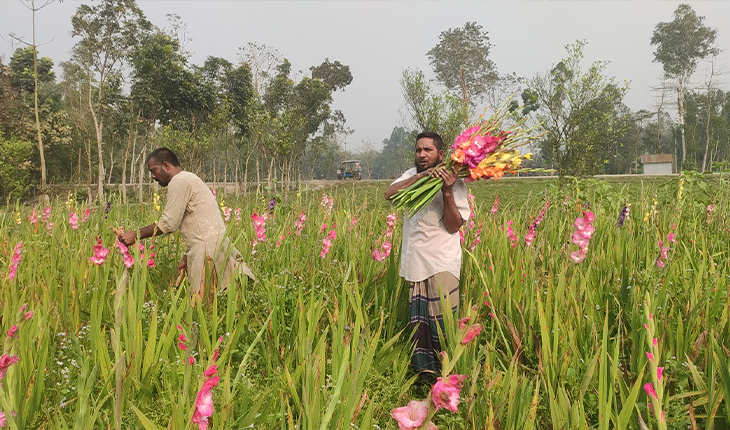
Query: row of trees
[587,127]
[129,86]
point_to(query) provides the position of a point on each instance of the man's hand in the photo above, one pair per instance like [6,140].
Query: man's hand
[448,176]
[183,265]
[128,238]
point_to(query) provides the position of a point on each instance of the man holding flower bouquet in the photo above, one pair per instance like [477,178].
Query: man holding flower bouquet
[431,250]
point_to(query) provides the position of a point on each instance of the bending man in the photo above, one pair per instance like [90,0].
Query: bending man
[192,209]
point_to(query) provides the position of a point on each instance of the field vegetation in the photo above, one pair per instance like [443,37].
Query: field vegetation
[319,341]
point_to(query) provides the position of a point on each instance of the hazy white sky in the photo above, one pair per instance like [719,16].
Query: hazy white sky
[378,39]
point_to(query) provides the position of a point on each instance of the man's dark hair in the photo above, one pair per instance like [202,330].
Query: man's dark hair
[437,141]
[161,155]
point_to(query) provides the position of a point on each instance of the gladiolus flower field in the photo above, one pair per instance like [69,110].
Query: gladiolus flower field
[567,319]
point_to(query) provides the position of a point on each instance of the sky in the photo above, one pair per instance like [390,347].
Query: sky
[379,39]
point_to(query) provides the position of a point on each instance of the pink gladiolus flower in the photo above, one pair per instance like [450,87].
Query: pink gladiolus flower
[23,308]
[300,224]
[74,221]
[659,372]
[204,403]
[650,356]
[28,315]
[530,236]
[100,253]
[3,420]
[411,416]
[238,214]
[473,332]
[12,331]
[151,261]
[182,346]
[327,243]
[445,392]
[578,256]
[191,360]
[46,213]
[659,263]
[496,204]
[670,237]
[386,248]
[33,216]
[259,225]
[212,370]
[463,322]
[227,214]
[511,234]
[49,228]
[15,260]
[126,256]
[649,388]
[492,315]
[86,215]
[5,362]
[212,191]
[654,341]
[377,255]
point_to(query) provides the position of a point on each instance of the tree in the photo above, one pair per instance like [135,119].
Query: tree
[39,111]
[680,44]
[336,76]
[14,167]
[397,154]
[427,111]
[30,5]
[579,113]
[108,32]
[461,61]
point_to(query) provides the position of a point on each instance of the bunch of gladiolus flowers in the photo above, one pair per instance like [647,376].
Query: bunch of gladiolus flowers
[482,151]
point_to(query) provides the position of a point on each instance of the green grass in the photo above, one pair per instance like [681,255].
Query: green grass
[321,343]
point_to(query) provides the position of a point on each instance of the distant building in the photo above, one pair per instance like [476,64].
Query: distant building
[657,164]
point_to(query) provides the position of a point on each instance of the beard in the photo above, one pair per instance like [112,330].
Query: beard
[420,168]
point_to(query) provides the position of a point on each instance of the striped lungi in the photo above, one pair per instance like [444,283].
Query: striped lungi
[425,312]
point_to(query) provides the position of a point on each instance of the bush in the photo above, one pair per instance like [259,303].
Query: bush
[15,168]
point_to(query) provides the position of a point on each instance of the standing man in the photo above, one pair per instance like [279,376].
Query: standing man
[192,209]
[431,251]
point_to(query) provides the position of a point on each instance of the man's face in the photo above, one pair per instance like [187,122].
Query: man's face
[160,172]
[427,155]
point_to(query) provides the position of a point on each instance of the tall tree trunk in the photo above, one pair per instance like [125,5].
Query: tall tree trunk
[680,101]
[44,179]
[141,173]
[98,126]
[111,166]
[258,176]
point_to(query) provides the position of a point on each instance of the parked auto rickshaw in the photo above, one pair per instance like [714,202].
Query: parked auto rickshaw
[349,170]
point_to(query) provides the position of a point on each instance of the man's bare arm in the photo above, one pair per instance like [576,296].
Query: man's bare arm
[452,217]
[128,238]
[394,188]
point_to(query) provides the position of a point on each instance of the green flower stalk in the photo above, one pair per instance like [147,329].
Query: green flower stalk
[655,389]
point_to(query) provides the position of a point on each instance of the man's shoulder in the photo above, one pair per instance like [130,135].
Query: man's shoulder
[407,174]
[411,171]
